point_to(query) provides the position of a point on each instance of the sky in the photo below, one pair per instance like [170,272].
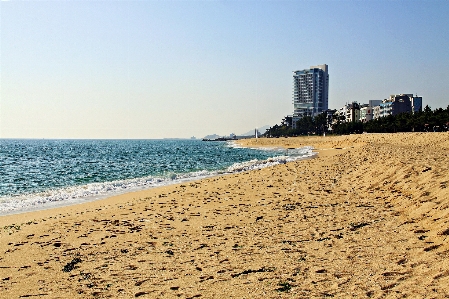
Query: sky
[176,69]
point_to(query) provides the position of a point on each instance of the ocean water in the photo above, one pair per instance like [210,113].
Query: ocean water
[40,174]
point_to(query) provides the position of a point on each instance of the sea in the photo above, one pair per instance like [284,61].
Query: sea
[41,174]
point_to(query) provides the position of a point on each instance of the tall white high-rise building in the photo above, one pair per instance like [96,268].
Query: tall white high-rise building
[310,92]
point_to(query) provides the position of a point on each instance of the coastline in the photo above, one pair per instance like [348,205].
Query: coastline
[89,179]
[367,218]
[76,194]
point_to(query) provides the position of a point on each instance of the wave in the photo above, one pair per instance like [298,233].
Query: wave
[94,191]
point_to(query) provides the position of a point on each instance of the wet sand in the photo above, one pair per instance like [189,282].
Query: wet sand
[367,218]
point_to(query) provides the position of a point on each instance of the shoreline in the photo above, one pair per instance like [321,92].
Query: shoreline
[5,217]
[368,218]
[72,195]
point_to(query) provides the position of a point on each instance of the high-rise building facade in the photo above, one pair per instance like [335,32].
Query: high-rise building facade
[310,92]
[416,104]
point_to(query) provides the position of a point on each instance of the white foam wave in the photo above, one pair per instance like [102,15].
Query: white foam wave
[76,194]
[290,155]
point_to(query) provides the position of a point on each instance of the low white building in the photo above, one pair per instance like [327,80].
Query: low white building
[366,113]
[376,110]
[367,110]
[353,112]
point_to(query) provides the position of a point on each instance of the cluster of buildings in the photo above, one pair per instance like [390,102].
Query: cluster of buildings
[311,98]
[395,104]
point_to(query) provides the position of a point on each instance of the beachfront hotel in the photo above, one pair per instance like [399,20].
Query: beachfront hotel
[310,92]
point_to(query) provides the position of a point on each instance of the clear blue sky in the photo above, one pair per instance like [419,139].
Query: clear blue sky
[155,69]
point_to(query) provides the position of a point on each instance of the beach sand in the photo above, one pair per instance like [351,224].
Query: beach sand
[367,218]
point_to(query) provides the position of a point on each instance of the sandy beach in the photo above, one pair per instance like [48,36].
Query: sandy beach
[367,218]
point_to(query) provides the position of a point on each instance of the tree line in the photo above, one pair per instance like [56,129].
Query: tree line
[422,121]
